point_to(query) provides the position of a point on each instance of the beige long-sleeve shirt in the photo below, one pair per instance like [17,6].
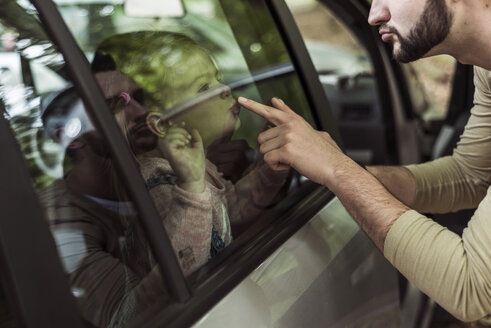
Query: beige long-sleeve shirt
[454,271]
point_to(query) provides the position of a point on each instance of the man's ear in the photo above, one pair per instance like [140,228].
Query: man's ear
[77,144]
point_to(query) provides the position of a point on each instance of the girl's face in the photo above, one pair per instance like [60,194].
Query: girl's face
[194,75]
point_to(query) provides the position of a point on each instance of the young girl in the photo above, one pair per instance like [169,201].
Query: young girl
[197,205]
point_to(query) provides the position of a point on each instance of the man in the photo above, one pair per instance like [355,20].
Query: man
[95,226]
[454,271]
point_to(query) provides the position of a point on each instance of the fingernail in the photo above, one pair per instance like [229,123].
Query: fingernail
[279,100]
[243,100]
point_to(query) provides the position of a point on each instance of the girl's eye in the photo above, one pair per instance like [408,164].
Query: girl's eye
[204,87]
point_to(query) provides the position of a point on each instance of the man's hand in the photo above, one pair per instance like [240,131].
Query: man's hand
[294,143]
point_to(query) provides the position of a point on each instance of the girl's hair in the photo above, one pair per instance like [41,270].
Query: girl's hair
[150,58]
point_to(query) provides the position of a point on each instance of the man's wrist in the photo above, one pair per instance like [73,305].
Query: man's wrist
[345,170]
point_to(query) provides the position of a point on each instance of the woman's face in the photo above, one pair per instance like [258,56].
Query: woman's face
[214,117]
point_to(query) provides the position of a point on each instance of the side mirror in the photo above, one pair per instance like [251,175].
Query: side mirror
[154,8]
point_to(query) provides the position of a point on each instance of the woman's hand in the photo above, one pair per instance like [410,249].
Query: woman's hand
[186,155]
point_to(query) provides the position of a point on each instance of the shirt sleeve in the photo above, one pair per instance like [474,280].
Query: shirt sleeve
[454,271]
[460,181]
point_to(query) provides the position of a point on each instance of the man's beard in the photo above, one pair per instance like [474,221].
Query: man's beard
[141,142]
[430,30]
[97,144]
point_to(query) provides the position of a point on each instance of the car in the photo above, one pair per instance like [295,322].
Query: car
[99,250]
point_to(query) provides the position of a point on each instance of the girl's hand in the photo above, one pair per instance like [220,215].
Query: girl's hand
[186,155]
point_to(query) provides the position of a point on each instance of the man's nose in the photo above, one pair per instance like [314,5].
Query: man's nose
[379,13]
[135,110]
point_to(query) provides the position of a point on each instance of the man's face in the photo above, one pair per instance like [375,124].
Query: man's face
[129,111]
[414,27]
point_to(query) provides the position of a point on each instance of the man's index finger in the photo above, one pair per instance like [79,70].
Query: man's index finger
[271,114]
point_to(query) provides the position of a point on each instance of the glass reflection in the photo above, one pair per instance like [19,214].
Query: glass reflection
[205,184]
[100,241]
[187,113]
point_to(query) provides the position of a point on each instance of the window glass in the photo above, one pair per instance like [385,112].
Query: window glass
[347,75]
[103,249]
[200,160]
[171,84]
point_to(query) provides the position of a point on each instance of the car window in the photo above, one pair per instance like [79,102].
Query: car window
[346,73]
[104,251]
[196,147]
[171,85]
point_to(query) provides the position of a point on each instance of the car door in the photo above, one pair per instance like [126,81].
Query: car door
[302,242]
[56,102]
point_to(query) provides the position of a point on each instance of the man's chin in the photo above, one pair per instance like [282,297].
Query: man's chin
[403,57]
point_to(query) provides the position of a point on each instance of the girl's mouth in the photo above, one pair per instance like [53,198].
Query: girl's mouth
[235,109]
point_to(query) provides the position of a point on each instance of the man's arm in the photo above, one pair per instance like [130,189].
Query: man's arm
[367,200]
[398,180]
[293,142]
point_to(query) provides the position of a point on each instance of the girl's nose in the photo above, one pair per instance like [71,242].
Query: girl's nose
[227,92]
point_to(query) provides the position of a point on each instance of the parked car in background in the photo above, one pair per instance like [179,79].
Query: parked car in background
[298,261]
